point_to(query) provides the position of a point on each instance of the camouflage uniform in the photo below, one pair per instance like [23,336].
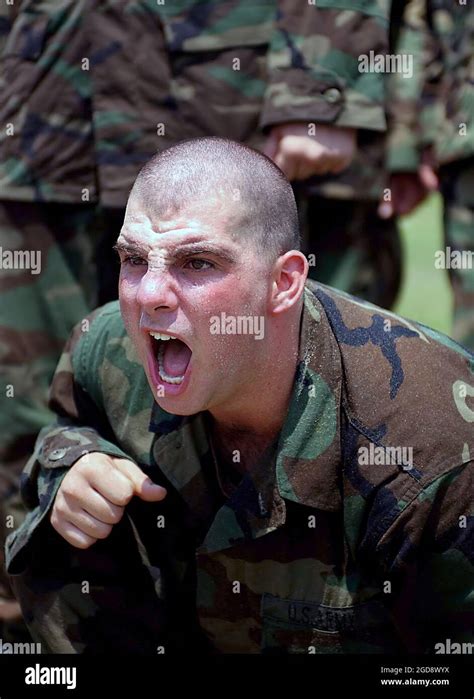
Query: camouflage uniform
[91,90]
[6,20]
[318,549]
[435,111]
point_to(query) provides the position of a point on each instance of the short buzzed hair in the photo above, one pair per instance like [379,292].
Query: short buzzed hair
[205,167]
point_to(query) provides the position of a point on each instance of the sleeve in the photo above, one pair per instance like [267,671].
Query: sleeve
[412,101]
[428,555]
[315,62]
[80,428]
[100,599]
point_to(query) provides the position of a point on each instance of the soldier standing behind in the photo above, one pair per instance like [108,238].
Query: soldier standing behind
[431,141]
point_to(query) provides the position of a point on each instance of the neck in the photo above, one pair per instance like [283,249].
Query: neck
[261,410]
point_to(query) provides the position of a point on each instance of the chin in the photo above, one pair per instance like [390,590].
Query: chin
[176,409]
[179,406]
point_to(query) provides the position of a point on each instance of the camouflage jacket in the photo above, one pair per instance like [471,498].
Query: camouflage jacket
[7,16]
[91,90]
[435,108]
[357,536]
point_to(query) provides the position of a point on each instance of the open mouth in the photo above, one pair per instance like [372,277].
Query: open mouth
[172,357]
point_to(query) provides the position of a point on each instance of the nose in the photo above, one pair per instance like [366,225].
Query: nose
[155,292]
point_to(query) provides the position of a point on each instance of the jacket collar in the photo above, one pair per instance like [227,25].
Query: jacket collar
[304,468]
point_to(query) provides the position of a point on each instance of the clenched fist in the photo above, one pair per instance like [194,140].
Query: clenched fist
[93,496]
[300,155]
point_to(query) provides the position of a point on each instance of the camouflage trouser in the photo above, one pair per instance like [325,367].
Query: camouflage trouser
[353,249]
[56,251]
[457,188]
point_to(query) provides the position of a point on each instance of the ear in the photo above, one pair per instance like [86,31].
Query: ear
[288,280]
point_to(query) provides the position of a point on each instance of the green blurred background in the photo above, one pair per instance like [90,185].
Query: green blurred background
[425,295]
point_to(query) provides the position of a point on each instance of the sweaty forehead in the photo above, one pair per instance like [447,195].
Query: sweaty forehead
[149,230]
[149,226]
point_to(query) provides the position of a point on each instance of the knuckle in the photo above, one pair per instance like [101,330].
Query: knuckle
[104,532]
[124,491]
[123,498]
[65,488]
[55,519]
[292,151]
[81,465]
[92,463]
[317,156]
[58,512]
[117,515]
[81,543]
[84,468]
[117,494]
[71,486]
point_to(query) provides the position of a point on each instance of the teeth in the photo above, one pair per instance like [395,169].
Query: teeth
[161,336]
[161,369]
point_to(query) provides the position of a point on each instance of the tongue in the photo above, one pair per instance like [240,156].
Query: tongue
[176,357]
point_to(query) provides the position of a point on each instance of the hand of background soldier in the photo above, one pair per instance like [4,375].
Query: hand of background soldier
[93,496]
[300,155]
[409,189]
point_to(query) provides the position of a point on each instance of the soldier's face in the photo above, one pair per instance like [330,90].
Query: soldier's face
[185,276]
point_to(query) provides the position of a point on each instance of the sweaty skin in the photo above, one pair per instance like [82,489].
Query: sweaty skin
[184,292]
[177,272]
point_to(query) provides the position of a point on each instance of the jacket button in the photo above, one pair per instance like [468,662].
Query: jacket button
[332,95]
[57,454]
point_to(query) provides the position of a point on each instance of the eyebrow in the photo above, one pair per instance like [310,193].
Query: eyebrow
[197,248]
[129,247]
[204,248]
